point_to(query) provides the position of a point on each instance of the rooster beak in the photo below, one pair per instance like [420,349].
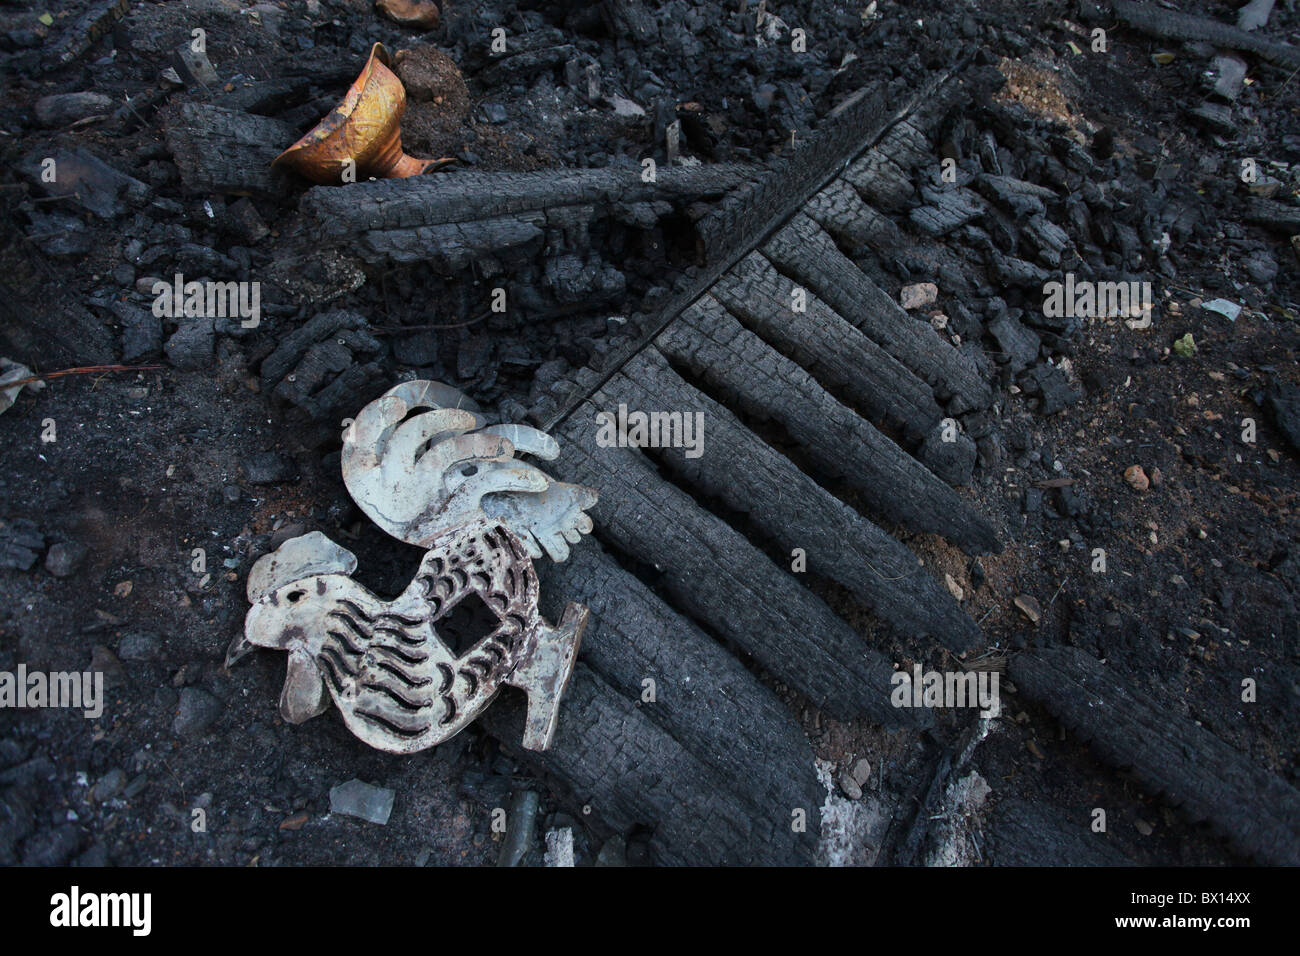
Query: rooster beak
[239,648]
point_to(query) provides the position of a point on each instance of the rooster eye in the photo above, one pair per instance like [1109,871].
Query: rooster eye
[469,470]
[296,596]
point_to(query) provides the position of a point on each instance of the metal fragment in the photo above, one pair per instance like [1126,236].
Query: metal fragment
[444,480]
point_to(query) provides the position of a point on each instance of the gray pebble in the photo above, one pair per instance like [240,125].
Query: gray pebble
[109,785]
[63,558]
[195,713]
[139,646]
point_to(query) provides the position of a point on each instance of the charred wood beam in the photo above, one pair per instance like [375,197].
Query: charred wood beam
[841,211]
[716,575]
[465,197]
[827,345]
[688,685]
[803,251]
[1256,811]
[736,467]
[766,384]
[1024,833]
[1171,25]
[219,150]
[607,754]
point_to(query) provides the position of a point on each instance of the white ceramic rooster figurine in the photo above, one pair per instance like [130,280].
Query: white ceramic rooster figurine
[424,465]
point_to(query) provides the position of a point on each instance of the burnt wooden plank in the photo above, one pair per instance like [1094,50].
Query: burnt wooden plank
[841,211]
[1021,833]
[803,251]
[882,176]
[1256,811]
[42,324]
[836,352]
[750,476]
[896,487]
[219,150]
[608,755]
[702,695]
[460,197]
[1171,25]
[717,576]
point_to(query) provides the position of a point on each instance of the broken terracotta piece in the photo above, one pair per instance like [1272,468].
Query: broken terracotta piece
[422,462]
[362,136]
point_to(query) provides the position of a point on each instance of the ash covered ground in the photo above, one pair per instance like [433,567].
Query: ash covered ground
[1140,159]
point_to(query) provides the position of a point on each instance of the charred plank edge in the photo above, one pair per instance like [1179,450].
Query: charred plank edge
[609,755]
[399,205]
[1171,25]
[834,351]
[1255,810]
[823,159]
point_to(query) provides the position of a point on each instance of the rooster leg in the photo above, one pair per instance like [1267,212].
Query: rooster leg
[544,672]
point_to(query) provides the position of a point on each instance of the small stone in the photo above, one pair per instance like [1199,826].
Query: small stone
[296,821]
[196,711]
[918,296]
[64,558]
[625,107]
[109,785]
[494,113]
[105,662]
[862,771]
[356,798]
[136,786]
[416,14]
[1030,608]
[1137,478]
[139,646]
[1143,827]
[852,789]
[953,587]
